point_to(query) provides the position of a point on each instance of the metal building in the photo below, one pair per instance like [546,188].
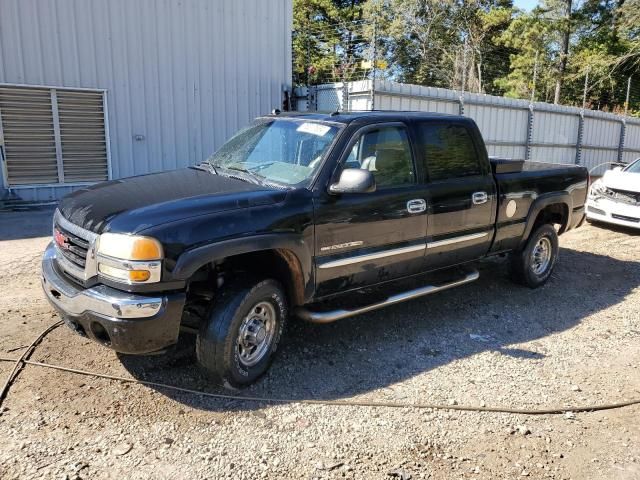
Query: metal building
[103,89]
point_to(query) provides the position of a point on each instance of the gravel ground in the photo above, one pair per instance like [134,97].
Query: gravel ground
[574,341]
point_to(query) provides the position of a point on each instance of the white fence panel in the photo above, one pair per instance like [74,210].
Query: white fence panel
[359,95]
[600,142]
[504,129]
[631,142]
[385,101]
[554,137]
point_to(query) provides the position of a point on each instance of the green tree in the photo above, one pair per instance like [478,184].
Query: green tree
[325,39]
[446,43]
[595,53]
[487,46]
[628,25]
[531,37]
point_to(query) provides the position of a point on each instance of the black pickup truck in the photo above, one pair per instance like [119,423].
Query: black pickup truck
[290,217]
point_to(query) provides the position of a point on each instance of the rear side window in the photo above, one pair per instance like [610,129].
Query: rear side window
[447,151]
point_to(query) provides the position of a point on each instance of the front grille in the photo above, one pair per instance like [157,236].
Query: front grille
[632,198]
[75,248]
[625,218]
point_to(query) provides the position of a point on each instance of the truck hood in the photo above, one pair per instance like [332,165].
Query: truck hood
[136,203]
[620,180]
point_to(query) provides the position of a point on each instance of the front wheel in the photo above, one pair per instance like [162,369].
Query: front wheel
[532,266]
[237,340]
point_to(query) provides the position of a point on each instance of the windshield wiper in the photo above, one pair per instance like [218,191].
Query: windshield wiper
[245,174]
[261,166]
[207,167]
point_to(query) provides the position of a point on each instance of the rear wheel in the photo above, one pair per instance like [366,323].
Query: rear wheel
[237,340]
[532,266]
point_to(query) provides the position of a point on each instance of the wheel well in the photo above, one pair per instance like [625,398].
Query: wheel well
[279,264]
[556,213]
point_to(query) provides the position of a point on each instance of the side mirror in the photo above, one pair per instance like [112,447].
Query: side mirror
[354,180]
[617,169]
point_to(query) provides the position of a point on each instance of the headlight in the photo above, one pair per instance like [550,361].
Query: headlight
[129,247]
[130,259]
[598,188]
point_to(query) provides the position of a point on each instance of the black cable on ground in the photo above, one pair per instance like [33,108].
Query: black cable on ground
[341,403]
[19,362]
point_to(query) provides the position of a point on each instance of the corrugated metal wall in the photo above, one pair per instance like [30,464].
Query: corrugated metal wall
[181,75]
[511,128]
[631,142]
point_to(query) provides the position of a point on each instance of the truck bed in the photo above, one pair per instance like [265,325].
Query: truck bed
[521,183]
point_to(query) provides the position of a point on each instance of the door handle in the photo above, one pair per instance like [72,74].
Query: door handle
[479,198]
[417,205]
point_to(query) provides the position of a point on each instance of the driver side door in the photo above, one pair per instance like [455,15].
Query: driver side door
[367,238]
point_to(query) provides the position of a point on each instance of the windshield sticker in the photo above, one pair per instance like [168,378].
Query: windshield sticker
[314,129]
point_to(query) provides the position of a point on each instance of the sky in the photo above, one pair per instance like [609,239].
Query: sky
[525,4]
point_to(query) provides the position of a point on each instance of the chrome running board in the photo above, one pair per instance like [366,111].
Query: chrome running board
[333,315]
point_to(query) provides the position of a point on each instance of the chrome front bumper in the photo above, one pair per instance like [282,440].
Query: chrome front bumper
[100,299]
[123,321]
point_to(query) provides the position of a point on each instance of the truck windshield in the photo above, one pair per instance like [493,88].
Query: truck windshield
[285,151]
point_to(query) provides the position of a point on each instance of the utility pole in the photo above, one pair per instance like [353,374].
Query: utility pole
[464,65]
[308,61]
[307,66]
[626,102]
[346,64]
[586,85]
[535,78]
[374,65]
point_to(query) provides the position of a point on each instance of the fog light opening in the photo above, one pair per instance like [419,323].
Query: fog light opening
[75,326]
[100,334]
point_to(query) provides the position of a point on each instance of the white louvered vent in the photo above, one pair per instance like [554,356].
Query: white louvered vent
[29,140]
[84,149]
[53,136]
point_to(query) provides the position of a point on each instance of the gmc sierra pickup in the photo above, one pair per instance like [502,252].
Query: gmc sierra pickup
[291,217]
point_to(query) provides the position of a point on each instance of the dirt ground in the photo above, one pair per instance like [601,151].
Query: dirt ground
[573,342]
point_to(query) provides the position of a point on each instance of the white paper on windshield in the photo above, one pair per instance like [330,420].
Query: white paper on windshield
[314,129]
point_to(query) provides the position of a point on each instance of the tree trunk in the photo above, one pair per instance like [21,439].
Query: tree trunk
[564,52]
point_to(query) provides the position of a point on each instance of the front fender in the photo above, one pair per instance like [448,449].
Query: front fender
[192,260]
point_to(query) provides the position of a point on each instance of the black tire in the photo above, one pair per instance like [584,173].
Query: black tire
[526,269]
[218,349]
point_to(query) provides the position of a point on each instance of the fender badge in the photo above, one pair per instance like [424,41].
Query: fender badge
[341,245]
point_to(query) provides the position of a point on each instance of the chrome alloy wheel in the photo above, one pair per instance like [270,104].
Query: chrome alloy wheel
[541,256]
[256,334]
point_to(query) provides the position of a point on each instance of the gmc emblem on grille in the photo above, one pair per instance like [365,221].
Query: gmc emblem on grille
[61,240]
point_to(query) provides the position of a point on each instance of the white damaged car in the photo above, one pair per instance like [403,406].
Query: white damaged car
[615,198]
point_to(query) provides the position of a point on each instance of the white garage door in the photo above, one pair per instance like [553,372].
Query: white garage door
[52,136]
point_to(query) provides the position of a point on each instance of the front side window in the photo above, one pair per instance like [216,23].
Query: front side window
[447,151]
[387,154]
[284,151]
